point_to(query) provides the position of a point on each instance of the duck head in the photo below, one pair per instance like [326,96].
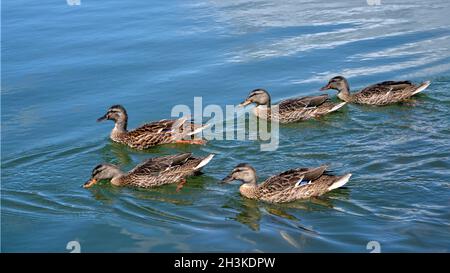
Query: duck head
[242,172]
[103,171]
[258,96]
[338,83]
[118,114]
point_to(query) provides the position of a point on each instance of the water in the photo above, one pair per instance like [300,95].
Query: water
[63,66]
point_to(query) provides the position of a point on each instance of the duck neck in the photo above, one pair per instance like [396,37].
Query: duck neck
[117,178]
[263,111]
[120,128]
[249,189]
[344,93]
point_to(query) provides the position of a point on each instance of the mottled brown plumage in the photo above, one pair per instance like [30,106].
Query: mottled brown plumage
[288,186]
[150,134]
[382,93]
[290,110]
[153,172]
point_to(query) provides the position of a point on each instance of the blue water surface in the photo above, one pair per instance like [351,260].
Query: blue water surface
[63,66]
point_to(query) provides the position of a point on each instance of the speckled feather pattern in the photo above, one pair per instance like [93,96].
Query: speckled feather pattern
[297,109]
[384,93]
[160,171]
[283,187]
[152,134]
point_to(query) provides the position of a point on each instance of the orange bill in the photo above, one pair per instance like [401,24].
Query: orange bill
[90,183]
[244,103]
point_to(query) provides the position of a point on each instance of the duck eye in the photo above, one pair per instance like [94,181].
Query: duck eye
[97,170]
[113,111]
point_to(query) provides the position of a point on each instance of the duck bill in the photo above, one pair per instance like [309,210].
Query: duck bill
[90,183]
[244,103]
[227,179]
[100,119]
[326,87]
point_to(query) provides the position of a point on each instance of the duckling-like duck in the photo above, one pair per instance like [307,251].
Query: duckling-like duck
[288,186]
[382,93]
[152,172]
[150,134]
[290,110]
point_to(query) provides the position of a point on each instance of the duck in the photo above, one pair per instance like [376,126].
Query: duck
[289,110]
[288,186]
[151,134]
[152,172]
[382,93]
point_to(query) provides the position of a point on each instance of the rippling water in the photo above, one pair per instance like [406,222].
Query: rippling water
[64,65]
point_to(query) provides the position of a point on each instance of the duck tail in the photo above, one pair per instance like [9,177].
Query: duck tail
[179,122]
[204,162]
[337,106]
[198,129]
[340,182]
[421,87]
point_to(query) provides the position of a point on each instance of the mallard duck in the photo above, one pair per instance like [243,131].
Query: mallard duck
[290,110]
[150,134]
[152,172]
[377,94]
[288,186]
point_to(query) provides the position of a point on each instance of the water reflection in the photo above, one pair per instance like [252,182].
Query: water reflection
[107,193]
[250,212]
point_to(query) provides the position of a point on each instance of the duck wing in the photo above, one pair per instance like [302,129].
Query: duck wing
[156,127]
[150,134]
[397,85]
[385,87]
[385,92]
[155,165]
[160,132]
[303,102]
[290,179]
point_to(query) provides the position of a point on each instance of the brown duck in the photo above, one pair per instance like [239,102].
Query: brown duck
[151,134]
[288,186]
[382,93]
[153,172]
[290,110]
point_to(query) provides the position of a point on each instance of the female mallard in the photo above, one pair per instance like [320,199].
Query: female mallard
[377,94]
[152,172]
[150,134]
[290,110]
[288,186]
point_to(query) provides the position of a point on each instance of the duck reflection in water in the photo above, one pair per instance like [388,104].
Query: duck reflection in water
[250,212]
[166,194]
